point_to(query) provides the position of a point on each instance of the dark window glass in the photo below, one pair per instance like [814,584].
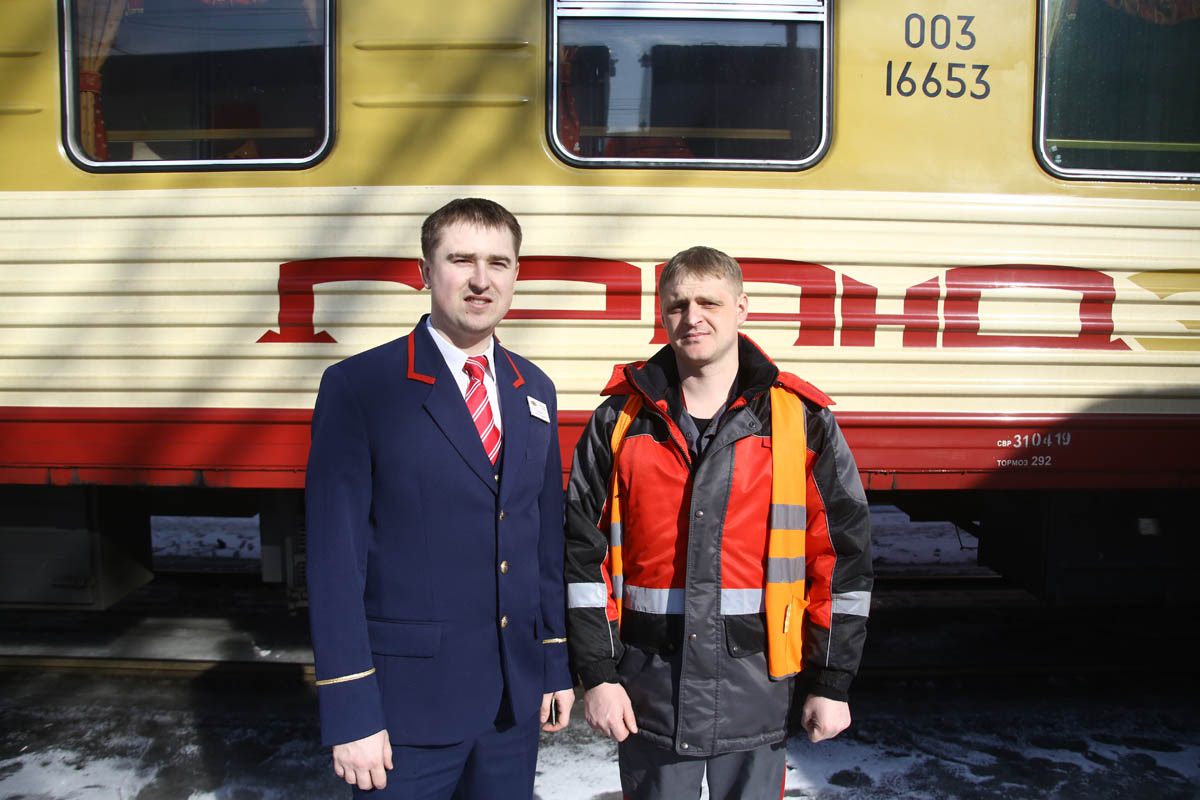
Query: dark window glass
[157,83]
[1122,87]
[663,90]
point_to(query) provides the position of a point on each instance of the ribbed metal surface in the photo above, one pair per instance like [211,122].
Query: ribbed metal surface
[161,298]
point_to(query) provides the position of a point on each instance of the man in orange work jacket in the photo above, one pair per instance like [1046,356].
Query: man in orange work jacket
[718,546]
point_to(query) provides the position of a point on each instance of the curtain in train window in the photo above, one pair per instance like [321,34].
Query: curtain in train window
[690,92]
[164,83]
[1121,90]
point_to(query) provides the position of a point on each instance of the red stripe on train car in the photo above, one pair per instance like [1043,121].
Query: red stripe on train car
[235,448]
[268,448]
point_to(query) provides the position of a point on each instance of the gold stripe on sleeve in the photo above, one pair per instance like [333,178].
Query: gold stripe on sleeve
[345,678]
[554,641]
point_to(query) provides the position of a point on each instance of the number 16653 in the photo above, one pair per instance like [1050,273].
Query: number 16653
[953,80]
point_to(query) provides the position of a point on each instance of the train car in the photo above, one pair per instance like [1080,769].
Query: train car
[976,225]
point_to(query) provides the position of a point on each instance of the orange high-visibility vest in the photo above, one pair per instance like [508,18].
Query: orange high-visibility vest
[784,591]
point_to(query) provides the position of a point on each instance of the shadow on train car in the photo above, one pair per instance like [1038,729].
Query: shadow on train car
[1098,508]
[1092,507]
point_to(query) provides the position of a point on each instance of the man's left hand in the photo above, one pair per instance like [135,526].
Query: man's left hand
[824,718]
[562,700]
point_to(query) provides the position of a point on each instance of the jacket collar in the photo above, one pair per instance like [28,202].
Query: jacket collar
[658,378]
[445,406]
[425,360]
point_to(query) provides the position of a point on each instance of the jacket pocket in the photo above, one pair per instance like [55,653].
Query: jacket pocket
[745,634]
[412,639]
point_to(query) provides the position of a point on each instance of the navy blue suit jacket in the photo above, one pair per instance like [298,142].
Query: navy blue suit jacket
[435,580]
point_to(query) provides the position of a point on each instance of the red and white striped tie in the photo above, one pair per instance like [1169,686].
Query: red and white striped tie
[480,408]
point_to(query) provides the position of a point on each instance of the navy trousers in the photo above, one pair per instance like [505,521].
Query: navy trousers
[498,764]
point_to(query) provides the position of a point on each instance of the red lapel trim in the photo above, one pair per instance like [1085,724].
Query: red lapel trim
[412,363]
[419,376]
[519,381]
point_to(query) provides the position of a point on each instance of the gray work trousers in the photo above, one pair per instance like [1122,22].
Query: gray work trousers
[649,772]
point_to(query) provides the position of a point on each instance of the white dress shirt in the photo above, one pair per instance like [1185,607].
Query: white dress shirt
[456,359]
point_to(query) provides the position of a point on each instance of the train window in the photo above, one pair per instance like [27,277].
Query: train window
[691,83]
[196,84]
[1118,91]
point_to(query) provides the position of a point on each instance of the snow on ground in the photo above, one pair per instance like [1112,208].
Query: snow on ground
[204,537]
[66,774]
[577,763]
[69,775]
[1012,738]
[72,738]
[896,541]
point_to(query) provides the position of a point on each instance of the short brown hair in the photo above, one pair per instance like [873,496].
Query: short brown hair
[705,262]
[472,211]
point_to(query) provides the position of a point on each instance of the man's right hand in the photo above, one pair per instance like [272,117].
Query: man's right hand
[607,709]
[363,763]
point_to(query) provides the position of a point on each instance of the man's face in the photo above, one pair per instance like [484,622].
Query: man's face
[701,315]
[470,278]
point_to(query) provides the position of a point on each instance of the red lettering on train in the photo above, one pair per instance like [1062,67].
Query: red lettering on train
[622,284]
[965,286]
[959,321]
[298,281]
[818,295]
[919,320]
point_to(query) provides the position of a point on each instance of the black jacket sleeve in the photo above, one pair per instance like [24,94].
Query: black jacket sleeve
[839,561]
[593,639]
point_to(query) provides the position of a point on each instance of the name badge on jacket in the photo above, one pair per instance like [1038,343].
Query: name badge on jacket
[538,409]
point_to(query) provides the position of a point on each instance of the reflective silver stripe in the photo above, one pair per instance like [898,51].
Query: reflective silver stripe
[614,535]
[587,595]
[742,601]
[653,601]
[785,570]
[671,601]
[787,517]
[618,582]
[856,603]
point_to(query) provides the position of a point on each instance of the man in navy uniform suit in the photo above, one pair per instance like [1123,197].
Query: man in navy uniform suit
[435,539]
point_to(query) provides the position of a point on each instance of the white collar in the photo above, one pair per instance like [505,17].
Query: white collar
[456,359]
